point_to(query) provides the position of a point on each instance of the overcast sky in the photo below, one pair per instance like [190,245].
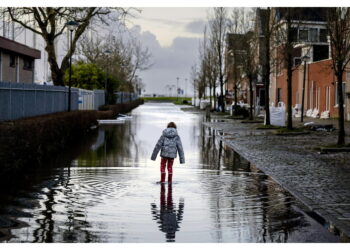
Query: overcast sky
[172,36]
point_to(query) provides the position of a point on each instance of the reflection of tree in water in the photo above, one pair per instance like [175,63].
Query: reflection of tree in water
[41,186]
[113,150]
[280,219]
[168,216]
[211,149]
[262,205]
[75,229]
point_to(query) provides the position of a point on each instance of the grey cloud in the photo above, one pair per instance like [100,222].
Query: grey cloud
[165,21]
[169,62]
[195,26]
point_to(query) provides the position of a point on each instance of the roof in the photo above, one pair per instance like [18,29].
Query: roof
[19,48]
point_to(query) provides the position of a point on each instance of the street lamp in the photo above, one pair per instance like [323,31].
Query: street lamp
[107,52]
[71,25]
[305,59]
[185,87]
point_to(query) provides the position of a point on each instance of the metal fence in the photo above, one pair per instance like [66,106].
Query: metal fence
[91,99]
[18,100]
[122,97]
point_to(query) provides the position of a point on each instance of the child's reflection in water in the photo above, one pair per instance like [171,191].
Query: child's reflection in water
[168,216]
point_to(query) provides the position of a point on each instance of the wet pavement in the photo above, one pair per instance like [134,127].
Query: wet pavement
[107,192]
[321,182]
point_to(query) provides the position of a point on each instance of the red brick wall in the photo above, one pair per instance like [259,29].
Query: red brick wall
[321,75]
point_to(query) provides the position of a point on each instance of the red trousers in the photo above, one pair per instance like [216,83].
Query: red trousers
[166,162]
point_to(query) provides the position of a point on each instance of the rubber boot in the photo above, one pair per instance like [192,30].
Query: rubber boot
[170,178]
[162,177]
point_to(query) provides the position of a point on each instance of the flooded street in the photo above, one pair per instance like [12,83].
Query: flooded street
[108,193]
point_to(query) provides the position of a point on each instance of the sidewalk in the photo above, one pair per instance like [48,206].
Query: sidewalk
[321,182]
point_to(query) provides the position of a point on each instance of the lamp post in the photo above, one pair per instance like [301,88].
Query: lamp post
[177,88]
[185,87]
[305,59]
[107,53]
[71,25]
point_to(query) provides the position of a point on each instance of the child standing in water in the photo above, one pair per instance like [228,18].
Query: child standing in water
[168,144]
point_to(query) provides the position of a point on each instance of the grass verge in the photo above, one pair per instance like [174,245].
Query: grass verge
[175,100]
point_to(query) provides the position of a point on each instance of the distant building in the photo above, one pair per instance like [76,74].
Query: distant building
[17,61]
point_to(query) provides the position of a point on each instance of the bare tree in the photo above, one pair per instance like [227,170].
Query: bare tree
[212,74]
[244,49]
[50,23]
[202,82]
[127,57]
[139,58]
[218,27]
[290,20]
[249,65]
[339,33]
[267,33]
[194,79]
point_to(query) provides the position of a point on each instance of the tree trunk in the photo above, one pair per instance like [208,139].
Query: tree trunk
[235,94]
[222,93]
[214,95]
[251,99]
[341,133]
[267,70]
[289,72]
[289,91]
[56,73]
[210,97]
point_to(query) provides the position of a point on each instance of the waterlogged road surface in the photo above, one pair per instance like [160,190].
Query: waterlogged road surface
[106,191]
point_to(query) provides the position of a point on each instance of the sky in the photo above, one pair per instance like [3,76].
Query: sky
[172,33]
[173,37]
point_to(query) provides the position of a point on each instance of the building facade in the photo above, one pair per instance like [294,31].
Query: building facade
[310,46]
[17,61]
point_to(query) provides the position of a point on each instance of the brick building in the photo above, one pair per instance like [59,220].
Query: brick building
[309,40]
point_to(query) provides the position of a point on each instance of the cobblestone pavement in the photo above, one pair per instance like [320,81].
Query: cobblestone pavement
[320,181]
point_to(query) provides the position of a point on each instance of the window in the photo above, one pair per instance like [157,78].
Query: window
[321,52]
[336,94]
[313,35]
[323,35]
[27,64]
[304,35]
[297,61]
[12,61]
[294,34]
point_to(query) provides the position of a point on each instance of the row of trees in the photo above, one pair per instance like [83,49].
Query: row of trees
[211,72]
[276,41]
[111,55]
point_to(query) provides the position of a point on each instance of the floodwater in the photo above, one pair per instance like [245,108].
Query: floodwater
[105,190]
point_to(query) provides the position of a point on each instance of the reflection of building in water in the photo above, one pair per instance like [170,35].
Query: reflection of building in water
[99,141]
[168,216]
